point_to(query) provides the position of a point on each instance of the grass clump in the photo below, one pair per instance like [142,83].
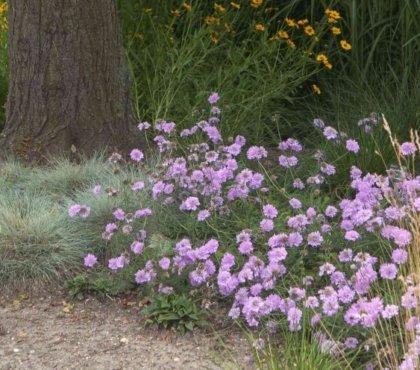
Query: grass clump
[36,242]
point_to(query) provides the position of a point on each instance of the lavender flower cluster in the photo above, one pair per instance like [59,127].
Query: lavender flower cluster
[213,174]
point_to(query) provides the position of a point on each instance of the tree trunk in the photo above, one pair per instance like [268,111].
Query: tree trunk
[69,84]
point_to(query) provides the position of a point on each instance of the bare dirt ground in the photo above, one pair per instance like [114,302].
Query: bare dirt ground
[45,331]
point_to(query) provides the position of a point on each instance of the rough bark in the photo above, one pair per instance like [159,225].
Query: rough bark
[69,81]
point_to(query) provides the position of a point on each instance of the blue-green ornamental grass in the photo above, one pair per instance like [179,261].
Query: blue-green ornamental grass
[280,243]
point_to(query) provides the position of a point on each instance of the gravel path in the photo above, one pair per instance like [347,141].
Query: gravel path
[47,332]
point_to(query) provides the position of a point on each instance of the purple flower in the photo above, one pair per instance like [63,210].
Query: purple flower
[330,211]
[136,155]
[270,211]
[388,271]
[295,239]
[240,140]
[256,152]
[352,146]
[328,169]
[345,255]
[97,189]
[390,311]
[203,214]
[407,148]
[164,263]
[352,235]
[330,133]
[318,122]
[315,239]
[143,126]
[137,247]
[351,343]
[246,247]
[118,262]
[74,210]
[145,212]
[288,162]
[190,204]
[294,315]
[298,184]
[267,225]
[119,214]
[213,98]
[137,186]
[90,260]
[84,211]
[295,203]
[399,256]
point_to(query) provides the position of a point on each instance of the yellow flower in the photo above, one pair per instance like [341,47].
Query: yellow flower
[291,23]
[309,30]
[214,37]
[333,15]
[227,27]
[283,35]
[316,89]
[256,3]
[219,8]
[322,58]
[260,27]
[187,7]
[176,12]
[211,20]
[291,44]
[235,5]
[303,22]
[345,45]
[336,30]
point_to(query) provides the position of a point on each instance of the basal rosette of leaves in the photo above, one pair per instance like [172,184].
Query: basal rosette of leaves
[270,237]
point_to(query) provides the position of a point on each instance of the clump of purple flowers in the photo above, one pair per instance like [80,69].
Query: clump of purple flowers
[210,179]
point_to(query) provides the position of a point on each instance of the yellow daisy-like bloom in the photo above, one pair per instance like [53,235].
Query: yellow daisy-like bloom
[228,28]
[256,3]
[321,58]
[345,45]
[260,27]
[291,44]
[303,22]
[316,89]
[332,14]
[176,12]
[211,20]
[219,8]
[187,7]
[283,35]
[309,30]
[336,30]
[214,37]
[291,23]
[235,5]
